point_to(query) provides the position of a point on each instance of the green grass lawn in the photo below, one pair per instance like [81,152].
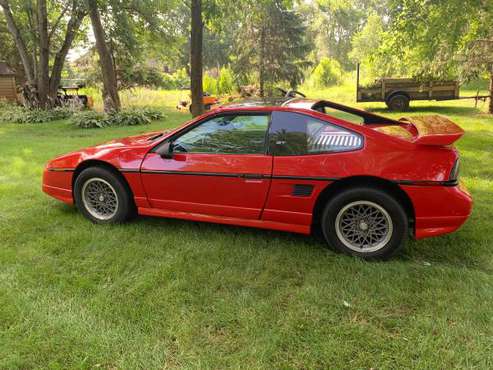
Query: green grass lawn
[160,293]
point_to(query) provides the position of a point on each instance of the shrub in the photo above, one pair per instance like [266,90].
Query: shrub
[176,80]
[89,119]
[128,117]
[140,75]
[328,72]
[10,113]
[222,85]
[226,81]
[210,84]
[151,113]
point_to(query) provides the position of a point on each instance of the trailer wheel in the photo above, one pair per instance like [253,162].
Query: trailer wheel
[398,102]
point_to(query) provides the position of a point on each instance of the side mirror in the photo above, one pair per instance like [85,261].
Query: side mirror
[166,150]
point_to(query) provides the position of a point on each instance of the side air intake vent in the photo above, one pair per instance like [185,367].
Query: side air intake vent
[302,190]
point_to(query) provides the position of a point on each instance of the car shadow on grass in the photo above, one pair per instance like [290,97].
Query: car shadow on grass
[446,250]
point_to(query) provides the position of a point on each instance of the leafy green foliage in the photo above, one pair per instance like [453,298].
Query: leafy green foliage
[226,81]
[271,43]
[366,50]
[137,31]
[176,80]
[127,117]
[333,24]
[210,84]
[89,119]
[223,84]
[141,75]
[327,73]
[10,113]
[430,37]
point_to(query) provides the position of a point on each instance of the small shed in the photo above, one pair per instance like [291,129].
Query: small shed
[8,90]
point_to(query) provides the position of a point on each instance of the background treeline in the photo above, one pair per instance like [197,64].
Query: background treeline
[265,43]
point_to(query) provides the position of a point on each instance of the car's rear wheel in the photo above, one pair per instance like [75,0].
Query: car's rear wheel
[365,222]
[102,196]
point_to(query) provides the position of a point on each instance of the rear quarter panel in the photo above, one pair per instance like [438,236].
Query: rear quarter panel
[382,156]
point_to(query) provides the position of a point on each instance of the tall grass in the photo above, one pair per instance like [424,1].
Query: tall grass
[344,92]
[141,97]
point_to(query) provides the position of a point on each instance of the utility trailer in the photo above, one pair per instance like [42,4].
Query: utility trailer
[398,92]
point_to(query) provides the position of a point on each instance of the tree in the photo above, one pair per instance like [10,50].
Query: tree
[43,42]
[44,54]
[478,58]
[110,85]
[20,44]
[334,24]
[270,43]
[196,72]
[366,46]
[9,51]
[436,39]
[131,33]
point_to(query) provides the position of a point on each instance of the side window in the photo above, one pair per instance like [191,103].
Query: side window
[324,137]
[230,134]
[299,134]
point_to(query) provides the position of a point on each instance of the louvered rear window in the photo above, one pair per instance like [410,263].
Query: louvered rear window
[299,134]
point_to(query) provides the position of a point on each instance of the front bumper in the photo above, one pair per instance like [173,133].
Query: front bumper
[58,184]
[439,209]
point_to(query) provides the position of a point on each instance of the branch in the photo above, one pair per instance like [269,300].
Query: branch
[73,26]
[57,22]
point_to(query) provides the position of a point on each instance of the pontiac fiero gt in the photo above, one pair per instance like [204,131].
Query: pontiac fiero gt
[364,180]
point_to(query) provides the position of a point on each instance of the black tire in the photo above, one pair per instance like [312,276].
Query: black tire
[393,240]
[398,102]
[125,206]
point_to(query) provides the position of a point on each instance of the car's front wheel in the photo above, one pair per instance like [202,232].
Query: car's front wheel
[365,222]
[102,196]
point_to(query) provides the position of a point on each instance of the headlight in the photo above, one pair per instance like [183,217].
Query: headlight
[454,174]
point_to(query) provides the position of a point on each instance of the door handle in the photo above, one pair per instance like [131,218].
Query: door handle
[251,176]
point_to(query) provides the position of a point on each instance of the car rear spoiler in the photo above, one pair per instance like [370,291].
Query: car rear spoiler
[434,130]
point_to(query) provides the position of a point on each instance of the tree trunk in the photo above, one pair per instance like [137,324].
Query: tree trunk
[110,87]
[261,75]
[196,76]
[44,55]
[19,42]
[491,91]
[72,29]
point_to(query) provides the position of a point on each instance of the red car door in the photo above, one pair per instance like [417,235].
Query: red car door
[309,154]
[218,167]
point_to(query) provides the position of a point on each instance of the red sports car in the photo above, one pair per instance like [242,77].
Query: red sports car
[364,180]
